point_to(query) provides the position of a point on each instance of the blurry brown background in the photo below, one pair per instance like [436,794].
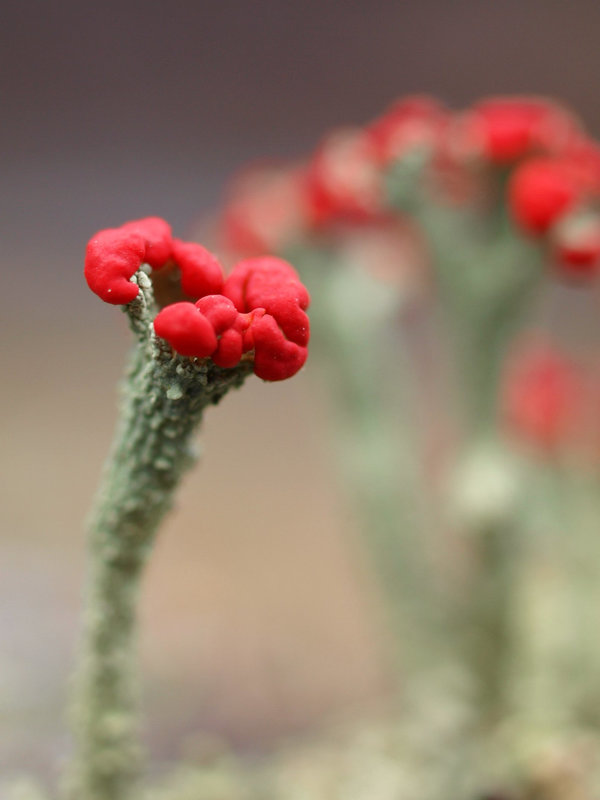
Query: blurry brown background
[259,615]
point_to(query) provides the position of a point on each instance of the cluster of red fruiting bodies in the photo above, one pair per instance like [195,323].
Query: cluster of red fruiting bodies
[538,152]
[258,309]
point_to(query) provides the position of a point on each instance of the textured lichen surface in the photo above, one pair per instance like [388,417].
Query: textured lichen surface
[163,400]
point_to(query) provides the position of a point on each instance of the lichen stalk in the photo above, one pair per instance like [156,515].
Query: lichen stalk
[350,320]
[488,275]
[164,397]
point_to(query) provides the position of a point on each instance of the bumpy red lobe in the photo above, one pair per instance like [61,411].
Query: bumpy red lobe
[343,180]
[157,237]
[229,326]
[201,272]
[414,121]
[261,309]
[274,285]
[280,336]
[508,128]
[111,258]
[186,329]
[541,191]
[275,357]
[114,255]
[211,327]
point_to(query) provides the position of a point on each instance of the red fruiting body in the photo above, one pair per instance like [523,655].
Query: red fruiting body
[186,329]
[541,191]
[505,129]
[554,166]
[266,209]
[413,122]
[543,398]
[114,255]
[229,327]
[275,357]
[280,336]
[220,312]
[274,285]
[157,235]
[211,327]
[262,309]
[201,272]
[343,179]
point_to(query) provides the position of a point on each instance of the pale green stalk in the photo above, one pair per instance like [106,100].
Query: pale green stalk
[487,275]
[368,372]
[164,397]
[486,285]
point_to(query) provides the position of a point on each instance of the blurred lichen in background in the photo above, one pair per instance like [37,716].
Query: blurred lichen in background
[452,259]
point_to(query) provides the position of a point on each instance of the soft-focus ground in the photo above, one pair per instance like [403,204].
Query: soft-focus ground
[257,616]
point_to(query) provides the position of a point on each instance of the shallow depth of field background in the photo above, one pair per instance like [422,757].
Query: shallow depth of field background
[260,616]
